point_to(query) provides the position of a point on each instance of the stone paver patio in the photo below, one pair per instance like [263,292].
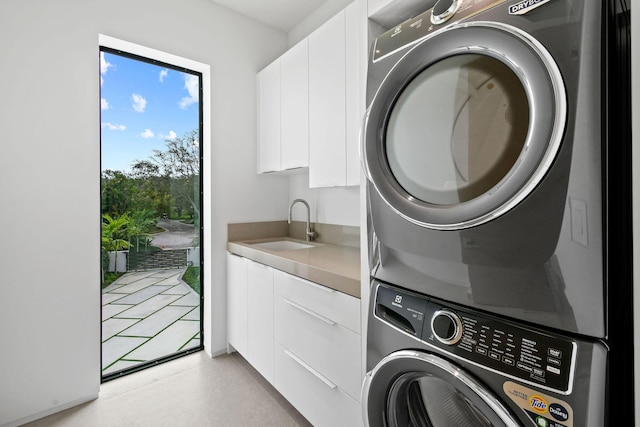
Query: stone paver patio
[147,315]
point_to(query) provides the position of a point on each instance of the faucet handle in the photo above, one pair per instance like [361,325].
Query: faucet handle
[310,234]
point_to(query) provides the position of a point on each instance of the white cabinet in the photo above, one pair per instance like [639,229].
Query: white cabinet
[334,100]
[318,350]
[268,81]
[327,108]
[310,104]
[237,303]
[283,112]
[301,336]
[321,402]
[294,111]
[250,312]
[260,318]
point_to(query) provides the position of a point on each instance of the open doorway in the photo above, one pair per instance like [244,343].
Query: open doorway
[152,206]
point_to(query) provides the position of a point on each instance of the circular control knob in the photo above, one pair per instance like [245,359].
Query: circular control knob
[446,326]
[443,11]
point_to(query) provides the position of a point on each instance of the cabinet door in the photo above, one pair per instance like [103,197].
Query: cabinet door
[268,81]
[237,303]
[294,77]
[327,133]
[260,318]
[354,99]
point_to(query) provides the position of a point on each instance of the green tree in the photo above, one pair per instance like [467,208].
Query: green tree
[140,224]
[114,235]
[179,164]
[116,189]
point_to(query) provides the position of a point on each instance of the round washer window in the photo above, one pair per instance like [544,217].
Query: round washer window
[457,129]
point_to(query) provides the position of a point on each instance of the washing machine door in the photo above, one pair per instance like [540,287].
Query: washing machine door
[416,389]
[465,125]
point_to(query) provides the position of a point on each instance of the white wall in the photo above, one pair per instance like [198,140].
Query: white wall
[50,166]
[340,205]
[316,19]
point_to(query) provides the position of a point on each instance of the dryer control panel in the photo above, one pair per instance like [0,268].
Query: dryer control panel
[413,30]
[519,352]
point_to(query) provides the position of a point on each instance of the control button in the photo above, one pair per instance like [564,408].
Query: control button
[509,361]
[553,361]
[481,350]
[446,326]
[494,355]
[443,11]
[553,370]
[538,372]
[554,353]
[524,367]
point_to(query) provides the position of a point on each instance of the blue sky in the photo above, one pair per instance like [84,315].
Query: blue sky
[142,105]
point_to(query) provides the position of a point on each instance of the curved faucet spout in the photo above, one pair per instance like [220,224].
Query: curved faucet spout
[309,233]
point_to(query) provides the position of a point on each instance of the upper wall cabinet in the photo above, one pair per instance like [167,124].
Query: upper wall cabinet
[294,107]
[310,104]
[334,101]
[269,118]
[283,118]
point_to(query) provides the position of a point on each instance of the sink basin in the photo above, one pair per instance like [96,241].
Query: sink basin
[282,245]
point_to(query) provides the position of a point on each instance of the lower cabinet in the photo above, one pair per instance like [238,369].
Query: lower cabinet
[301,336]
[250,312]
[320,401]
[260,318]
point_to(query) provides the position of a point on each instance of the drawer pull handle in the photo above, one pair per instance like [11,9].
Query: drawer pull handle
[310,369]
[309,312]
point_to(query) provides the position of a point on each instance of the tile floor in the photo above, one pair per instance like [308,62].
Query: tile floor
[194,390]
[147,315]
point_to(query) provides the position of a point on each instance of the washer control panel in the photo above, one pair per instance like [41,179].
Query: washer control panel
[520,352]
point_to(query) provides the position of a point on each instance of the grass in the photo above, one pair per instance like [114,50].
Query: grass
[109,278]
[192,278]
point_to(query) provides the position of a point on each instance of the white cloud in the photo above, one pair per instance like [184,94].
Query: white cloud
[139,103]
[147,134]
[191,84]
[104,67]
[104,105]
[170,135]
[162,75]
[111,126]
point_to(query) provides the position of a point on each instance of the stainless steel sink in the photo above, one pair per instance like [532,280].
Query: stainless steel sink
[282,245]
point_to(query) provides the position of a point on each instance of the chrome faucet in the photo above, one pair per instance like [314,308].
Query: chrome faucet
[309,233]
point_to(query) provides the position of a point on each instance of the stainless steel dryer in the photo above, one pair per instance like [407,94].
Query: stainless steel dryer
[497,152]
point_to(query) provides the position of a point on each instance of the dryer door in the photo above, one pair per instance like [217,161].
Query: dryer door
[465,125]
[411,388]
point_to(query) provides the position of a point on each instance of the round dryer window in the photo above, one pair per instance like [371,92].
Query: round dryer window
[465,125]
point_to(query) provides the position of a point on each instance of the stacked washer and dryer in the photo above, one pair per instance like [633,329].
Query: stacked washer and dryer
[497,150]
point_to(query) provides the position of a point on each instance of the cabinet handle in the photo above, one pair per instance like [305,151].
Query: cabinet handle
[321,287]
[309,312]
[310,369]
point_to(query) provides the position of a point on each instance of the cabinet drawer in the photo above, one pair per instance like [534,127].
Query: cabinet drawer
[335,306]
[329,348]
[317,398]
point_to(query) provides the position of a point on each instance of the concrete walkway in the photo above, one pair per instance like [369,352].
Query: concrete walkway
[147,315]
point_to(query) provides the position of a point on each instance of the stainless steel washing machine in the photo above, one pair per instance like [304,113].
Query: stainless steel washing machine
[434,363]
[496,149]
